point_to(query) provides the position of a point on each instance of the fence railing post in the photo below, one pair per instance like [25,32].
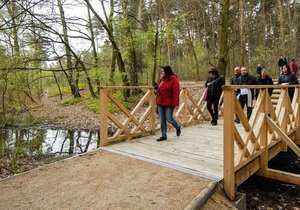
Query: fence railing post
[153,110]
[264,159]
[228,144]
[103,117]
[297,120]
[185,109]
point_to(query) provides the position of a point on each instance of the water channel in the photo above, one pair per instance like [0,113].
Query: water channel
[47,141]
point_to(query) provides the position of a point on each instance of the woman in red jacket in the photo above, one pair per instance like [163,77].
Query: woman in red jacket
[167,97]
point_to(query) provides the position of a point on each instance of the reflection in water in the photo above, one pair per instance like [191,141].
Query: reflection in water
[34,141]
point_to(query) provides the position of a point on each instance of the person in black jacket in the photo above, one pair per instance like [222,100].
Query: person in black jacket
[237,74]
[282,61]
[214,90]
[264,79]
[246,95]
[287,78]
[235,81]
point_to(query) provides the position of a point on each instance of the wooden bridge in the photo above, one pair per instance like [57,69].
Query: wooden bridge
[229,153]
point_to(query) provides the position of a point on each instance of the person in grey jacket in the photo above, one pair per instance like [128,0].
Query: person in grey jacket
[287,78]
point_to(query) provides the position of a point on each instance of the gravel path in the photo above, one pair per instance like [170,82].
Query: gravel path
[101,180]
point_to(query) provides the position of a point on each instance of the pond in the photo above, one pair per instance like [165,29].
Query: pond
[47,141]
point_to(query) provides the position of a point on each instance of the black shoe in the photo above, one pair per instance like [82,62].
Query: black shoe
[214,122]
[178,131]
[237,121]
[161,138]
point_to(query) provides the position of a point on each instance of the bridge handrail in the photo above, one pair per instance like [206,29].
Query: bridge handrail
[269,130]
[190,111]
[232,87]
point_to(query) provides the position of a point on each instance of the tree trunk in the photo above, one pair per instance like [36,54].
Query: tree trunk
[74,87]
[155,53]
[223,37]
[242,38]
[94,51]
[166,11]
[281,22]
[12,9]
[58,86]
[120,61]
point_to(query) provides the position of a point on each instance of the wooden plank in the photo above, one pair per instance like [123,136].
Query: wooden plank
[180,146]
[274,150]
[241,115]
[197,111]
[228,145]
[117,122]
[185,108]
[280,175]
[264,159]
[164,147]
[284,137]
[248,170]
[152,112]
[103,117]
[142,120]
[240,142]
[212,169]
[131,116]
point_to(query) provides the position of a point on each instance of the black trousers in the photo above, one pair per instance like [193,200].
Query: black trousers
[243,101]
[213,101]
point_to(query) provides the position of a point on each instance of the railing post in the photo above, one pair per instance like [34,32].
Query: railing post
[103,117]
[264,159]
[297,120]
[185,109]
[284,124]
[228,144]
[152,112]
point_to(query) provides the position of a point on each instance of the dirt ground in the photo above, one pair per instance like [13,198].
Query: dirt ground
[101,180]
[70,117]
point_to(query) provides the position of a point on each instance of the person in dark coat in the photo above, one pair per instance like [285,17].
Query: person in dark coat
[167,98]
[264,79]
[246,95]
[237,74]
[282,61]
[235,81]
[259,69]
[287,78]
[294,66]
[214,91]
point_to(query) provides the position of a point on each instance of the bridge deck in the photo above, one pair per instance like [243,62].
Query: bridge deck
[199,150]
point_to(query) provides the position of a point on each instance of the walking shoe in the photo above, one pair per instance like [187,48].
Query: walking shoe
[237,121]
[161,138]
[178,131]
[215,122]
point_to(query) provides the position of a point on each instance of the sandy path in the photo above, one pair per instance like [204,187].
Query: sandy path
[100,180]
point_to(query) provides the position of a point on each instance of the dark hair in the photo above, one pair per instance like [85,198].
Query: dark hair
[168,71]
[288,68]
[214,71]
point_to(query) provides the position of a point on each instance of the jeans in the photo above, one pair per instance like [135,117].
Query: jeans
[166,114]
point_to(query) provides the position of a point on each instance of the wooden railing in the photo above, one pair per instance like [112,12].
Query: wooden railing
[142,119]
[249,146]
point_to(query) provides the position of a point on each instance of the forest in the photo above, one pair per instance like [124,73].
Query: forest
[59,47]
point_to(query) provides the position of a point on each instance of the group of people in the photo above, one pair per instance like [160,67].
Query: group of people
[168,89]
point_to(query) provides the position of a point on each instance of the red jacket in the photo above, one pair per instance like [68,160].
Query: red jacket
[294,66]
[168,91]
